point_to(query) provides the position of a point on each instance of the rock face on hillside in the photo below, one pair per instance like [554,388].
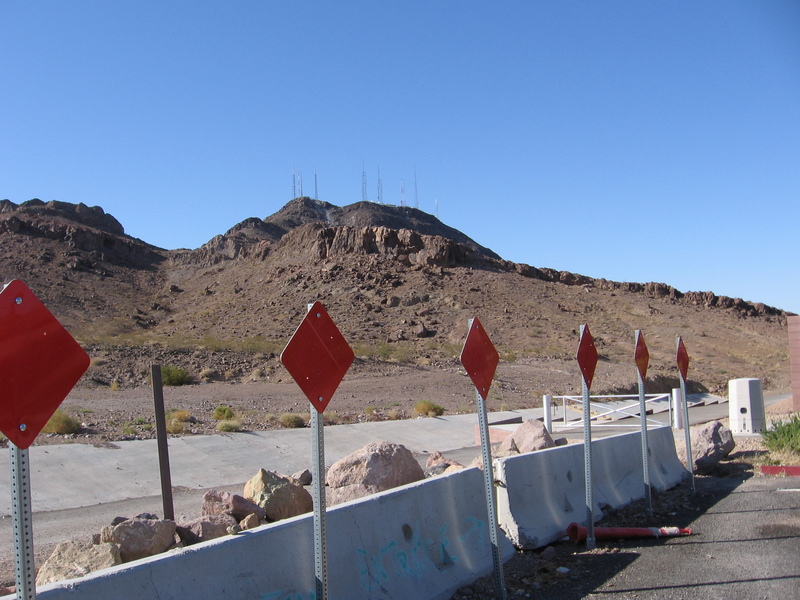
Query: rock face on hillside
[399,283]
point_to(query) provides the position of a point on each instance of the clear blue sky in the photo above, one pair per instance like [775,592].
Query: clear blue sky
[636,141]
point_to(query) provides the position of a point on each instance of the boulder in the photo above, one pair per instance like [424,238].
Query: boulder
[72,559]
[280,496]
[250,522]
[138,538]
[303,477]
[216,502]
[374,468]
[205,528]
[528,437]
[437,464]
[711,442]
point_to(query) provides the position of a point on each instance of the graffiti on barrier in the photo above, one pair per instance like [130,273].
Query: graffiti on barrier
[413,555]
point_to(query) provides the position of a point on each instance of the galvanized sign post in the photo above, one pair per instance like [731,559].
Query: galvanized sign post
[642,358]
[480,359]
[317,357]
[40,362]
[683,367]
[587,361]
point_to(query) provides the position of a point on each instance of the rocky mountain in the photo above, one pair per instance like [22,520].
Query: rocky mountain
[400,284]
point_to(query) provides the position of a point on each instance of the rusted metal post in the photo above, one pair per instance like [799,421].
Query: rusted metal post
[163,450]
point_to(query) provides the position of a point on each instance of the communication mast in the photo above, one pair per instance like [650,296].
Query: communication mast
[402,192]
[316,195]
[294,183]
[380,187]
[300,177]
[363,183]
[416,195]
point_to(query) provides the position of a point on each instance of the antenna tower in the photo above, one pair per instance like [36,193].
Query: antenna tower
[437,207]
[416,195]
[363,183]
[380,187]
[316,195]
[300,177]
[402,192]
[294,183]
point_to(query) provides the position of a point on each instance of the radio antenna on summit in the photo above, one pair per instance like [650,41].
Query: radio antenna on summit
[380,187]
[402,192]
[294,183]
[316,194]
[363,183]
[416,195]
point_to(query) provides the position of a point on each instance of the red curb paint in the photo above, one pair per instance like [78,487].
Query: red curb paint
[780,470]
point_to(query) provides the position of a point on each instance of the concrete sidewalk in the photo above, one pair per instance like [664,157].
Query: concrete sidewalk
[74,475]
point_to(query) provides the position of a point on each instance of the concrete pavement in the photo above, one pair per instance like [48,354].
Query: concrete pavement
[74,475]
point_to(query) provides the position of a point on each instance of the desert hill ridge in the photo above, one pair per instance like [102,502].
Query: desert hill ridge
[400,284]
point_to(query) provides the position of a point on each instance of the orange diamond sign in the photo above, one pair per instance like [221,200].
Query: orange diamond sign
[587,356]
[479,357]
[40,362]
[317,357]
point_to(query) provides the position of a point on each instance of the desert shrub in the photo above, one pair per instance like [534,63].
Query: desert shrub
[179,415]
[229,425]
[208,374]
[223,413]
[784,436]
[61,423]
[292,420]
[175,426]
[426,407]
[394,414]
[115,385]
[369,410]
[173,376]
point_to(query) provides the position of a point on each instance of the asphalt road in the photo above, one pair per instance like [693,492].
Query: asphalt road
[745,546]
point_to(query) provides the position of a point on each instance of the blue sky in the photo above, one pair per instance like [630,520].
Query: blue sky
[636,141]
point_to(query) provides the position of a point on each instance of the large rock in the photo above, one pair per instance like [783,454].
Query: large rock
[138,538]
[438,464]
[280,496]
[374,468]
[72,559]
[711,442]
[216,502]
[205,528]
[528,437]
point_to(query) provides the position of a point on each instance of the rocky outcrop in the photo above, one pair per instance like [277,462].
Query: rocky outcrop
[374,468]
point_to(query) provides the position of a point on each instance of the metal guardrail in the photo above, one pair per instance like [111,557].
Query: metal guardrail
[623,410]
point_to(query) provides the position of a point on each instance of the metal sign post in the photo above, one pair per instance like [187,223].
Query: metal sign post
[642,358]
[480,359]
[683,368]
[23,516]
[317,357]
[587,361]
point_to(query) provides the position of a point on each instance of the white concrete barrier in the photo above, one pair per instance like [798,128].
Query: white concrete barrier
[420,541]
[542,492]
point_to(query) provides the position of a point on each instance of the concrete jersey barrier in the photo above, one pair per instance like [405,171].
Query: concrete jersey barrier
[542,492]
[421,541]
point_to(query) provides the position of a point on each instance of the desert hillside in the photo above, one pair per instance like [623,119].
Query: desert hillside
[400,285]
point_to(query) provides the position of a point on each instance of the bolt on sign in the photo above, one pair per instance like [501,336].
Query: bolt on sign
[40,363]
[317,356]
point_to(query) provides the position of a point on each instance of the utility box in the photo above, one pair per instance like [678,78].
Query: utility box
[746,406]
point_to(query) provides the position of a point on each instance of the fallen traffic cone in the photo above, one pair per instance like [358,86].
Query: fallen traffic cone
[578,534]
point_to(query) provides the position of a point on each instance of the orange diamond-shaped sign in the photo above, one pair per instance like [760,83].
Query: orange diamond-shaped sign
[587,355]
[317,356]
[682,359]
[40,362]
[641,355]
[479,357]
